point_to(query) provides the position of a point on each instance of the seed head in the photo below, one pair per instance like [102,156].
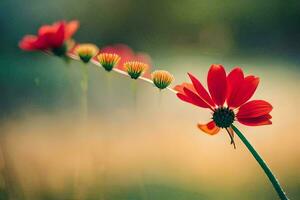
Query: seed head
[135,69]
[162,78]
[108,60]
[86,51]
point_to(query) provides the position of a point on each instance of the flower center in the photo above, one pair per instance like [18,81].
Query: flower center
[223,117]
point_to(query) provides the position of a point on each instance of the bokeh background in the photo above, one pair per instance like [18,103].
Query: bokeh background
[150,148]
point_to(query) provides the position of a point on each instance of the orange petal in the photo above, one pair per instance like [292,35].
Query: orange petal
[71,28]
[179,88]
[209,128]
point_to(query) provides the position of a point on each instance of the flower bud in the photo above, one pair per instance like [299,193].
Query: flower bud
[162,78]
[86,51]
[108,60]
[135,69]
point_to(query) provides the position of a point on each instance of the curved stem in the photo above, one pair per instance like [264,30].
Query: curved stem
[263,165]
[74,57]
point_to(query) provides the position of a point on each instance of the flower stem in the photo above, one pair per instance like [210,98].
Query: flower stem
[116,70]
[263,165]
[84,89]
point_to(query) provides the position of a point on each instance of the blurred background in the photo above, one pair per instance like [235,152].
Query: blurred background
[148,148]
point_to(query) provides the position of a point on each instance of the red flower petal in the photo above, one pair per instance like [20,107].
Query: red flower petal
[234,81]
[209,128]
[57,39]
[201,90]
[28,43]
[257,121]
[187,99]
[246,91]
[71,28]
[179,88]
[195,98]
[46,29]
[253,109]
[217,84]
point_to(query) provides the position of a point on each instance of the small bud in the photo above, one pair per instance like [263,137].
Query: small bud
[135,68]
[86,51]
[162,78]
[108,60]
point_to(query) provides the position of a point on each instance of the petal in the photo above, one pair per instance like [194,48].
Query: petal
[187,99]
[45,29]
[209,128]
[246,91]
[27,43]
[257,121]
[234,81]
[217,84]
[201,90]
[179,88]
[71,28]
[195,98]
[58,38]
[253,109]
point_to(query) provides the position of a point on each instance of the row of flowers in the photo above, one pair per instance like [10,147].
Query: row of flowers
[228,95]
[57,39]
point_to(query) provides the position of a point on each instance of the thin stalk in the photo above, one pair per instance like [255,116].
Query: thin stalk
[84,91]
[121,72]
[134,93]
[231,139]
[263,165]
[159,97]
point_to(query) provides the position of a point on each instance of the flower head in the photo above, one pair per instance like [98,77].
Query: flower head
[50,38]
[127,54]
[162,78]
[228,98]
[108,60]
[135,69]
[86,51]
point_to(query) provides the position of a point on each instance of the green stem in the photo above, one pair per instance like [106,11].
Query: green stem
[263,165]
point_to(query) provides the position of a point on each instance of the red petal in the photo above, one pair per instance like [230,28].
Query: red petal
[28,43]
[209,128]
[234,81]
[246,91]
[46,29]
[217,84]
[58,38]
[253,109]
[188,99]
[71,28]
[179,88]
[201,90]
[257,121]
[195,98]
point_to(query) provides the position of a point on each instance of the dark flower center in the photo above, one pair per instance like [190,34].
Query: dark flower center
[223,117]
[60,51]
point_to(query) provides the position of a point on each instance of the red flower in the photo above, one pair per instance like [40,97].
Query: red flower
[50,37]
[128,55]
[227,99]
